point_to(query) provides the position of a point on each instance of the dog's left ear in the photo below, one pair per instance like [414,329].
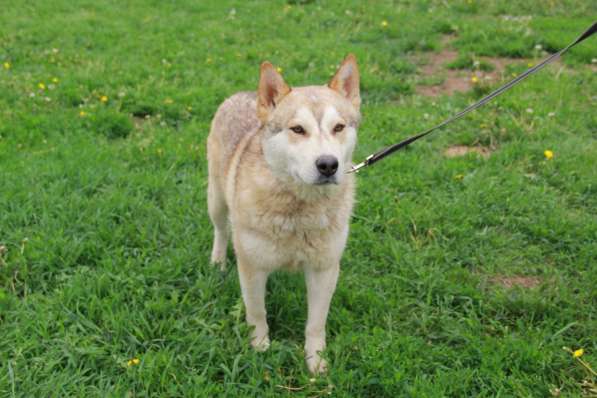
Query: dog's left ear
[272,88]
[346,80]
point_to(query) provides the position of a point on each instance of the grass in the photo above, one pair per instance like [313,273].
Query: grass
[106,236]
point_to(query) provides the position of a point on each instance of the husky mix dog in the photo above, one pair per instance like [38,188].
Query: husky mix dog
[278,162]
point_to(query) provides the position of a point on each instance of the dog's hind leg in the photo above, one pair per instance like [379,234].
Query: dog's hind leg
[218,212]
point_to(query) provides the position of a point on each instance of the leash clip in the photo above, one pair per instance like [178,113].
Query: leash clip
[355,169]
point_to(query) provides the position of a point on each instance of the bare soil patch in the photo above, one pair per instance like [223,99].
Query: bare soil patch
[460,80]
[461,150]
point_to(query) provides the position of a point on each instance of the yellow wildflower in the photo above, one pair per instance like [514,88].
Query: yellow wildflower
[55,80]
[578,353]
[82,113]
[133,362]
[548,154]
[6,65]
[279,69]
[104,98]
[41,86]
[474,79]
[530,64]
[168,101]
[384,24]
[459,177]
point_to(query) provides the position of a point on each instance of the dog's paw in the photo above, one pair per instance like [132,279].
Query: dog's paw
[261,343]
[218,258]
[316,364]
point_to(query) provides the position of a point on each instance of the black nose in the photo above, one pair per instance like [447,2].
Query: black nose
[327,165]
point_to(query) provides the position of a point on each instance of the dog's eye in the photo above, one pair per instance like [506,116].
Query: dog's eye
[298,129]
[338,128]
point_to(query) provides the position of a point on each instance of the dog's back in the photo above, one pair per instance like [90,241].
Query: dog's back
[236,117]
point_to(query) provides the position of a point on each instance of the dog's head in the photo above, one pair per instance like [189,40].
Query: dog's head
[309,133]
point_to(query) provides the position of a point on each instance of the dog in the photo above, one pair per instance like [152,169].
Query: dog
[278,160]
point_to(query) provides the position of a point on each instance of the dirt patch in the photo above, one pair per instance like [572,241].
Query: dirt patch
[511,281]
[459,80]
[437,60]
[452,83]
[461,150]
[140,122]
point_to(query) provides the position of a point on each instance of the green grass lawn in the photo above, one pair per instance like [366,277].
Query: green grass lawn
[104,111]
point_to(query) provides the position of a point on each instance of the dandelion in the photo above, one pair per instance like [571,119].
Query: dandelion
[530,64]
[55,80]
[548,155]
[133,362]
[168,101]
[279,69]
[41,86]
[6,65]
[578,353]
[474,79]
[82,114]
[384,24]
[104,98]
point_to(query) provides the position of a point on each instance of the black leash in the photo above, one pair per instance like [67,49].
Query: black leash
[377,156]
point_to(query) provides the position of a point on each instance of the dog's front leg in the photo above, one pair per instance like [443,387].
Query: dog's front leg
[321,284]
[252,283]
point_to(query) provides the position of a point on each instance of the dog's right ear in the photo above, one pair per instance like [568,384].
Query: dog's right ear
[272,89]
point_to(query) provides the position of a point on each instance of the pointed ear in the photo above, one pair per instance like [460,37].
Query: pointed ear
[346,80]
[272,89]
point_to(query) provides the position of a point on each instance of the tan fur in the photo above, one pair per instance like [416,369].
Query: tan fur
[278,218]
